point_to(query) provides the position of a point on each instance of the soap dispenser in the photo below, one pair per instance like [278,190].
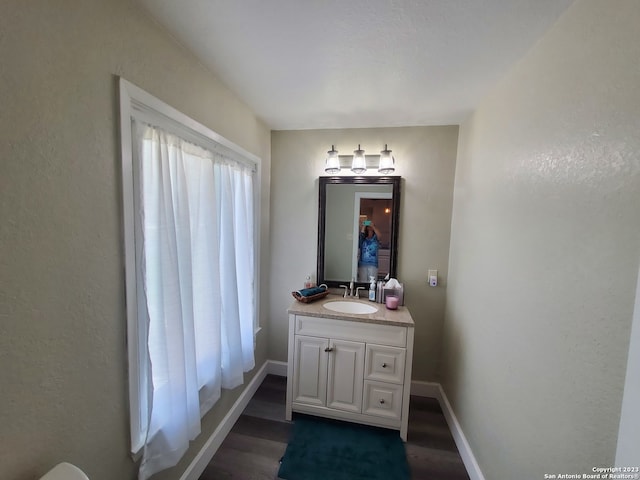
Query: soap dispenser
[372,288]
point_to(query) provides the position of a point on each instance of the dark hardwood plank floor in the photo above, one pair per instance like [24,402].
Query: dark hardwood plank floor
[257,441]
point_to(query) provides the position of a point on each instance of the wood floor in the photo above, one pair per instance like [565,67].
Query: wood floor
[253,448]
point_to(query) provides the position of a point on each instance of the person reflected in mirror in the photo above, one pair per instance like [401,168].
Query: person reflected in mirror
[368,245]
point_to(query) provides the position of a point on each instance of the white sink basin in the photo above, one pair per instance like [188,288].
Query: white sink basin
[350,307]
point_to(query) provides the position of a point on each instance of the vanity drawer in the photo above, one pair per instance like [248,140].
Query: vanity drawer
[382,399]
[384,364]
[349,330]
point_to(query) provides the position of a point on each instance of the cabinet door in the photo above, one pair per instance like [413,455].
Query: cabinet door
[310,370]
[346,371]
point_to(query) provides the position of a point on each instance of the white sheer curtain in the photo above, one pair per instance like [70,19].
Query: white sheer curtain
[196,271]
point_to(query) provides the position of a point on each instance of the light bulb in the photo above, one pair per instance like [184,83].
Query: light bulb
[359,164]
[332,164]
[387,162]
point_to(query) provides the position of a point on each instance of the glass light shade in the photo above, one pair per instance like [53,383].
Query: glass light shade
[387,162]
[359,164]
[332,164]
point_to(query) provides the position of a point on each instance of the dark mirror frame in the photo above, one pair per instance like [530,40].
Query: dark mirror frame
[395,210]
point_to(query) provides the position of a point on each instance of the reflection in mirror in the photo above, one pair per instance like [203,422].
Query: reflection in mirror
[374,235]
[357,228]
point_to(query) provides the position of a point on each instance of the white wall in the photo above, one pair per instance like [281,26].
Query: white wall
[544,250]
[62,312]
[425,158]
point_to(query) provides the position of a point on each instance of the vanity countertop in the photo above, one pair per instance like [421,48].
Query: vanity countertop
[383,316]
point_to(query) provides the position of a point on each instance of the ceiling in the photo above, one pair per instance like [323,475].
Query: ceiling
[306,64]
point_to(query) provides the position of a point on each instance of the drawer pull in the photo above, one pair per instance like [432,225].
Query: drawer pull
[328,349]
[382,401]
[384,365]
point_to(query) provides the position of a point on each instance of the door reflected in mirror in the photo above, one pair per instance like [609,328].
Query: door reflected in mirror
[357,228]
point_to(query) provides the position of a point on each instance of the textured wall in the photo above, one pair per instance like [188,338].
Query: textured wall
[545,246]
[425,158]
[62,312]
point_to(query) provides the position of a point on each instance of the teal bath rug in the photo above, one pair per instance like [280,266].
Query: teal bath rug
[321,449]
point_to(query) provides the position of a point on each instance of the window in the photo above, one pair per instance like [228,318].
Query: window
[191,272]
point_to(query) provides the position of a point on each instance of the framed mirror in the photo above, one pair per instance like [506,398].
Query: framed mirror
[348,209]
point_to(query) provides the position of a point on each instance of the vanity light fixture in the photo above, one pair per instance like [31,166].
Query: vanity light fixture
[332,164]
[359,164]
[387,162]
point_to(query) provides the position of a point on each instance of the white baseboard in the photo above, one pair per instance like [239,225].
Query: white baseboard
[204,456]
[434,390]
[275,367]
[425,389]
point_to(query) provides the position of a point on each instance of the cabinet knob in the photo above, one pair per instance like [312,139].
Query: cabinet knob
[384,365]
[328,349]
[382,401]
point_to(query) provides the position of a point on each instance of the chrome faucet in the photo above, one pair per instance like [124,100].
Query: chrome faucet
[351,290]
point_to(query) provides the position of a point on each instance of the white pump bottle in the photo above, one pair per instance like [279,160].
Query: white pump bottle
[372,288]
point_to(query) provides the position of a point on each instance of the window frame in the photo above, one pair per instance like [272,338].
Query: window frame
[137,104]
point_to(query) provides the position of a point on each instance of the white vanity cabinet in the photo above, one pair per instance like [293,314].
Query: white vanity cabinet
[355,369]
